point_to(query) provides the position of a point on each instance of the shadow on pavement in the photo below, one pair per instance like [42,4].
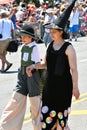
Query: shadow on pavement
[9,72]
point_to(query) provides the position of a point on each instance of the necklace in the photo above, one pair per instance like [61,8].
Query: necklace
[57,46]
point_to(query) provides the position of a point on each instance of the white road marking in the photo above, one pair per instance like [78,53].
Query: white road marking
[84,60]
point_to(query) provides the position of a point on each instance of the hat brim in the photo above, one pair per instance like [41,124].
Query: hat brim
[52,25]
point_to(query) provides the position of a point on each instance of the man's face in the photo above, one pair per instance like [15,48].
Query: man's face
[26,39]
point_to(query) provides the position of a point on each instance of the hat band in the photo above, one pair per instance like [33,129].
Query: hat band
[53,25]
[56,26]
[23,31]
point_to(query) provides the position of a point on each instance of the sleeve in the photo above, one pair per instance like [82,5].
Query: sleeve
[12,26]
[46,19]
[35,55]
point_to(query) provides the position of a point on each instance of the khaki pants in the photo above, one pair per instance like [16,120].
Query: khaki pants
[13,115]
[3,46]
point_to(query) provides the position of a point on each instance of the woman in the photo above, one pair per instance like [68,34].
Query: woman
[61,80]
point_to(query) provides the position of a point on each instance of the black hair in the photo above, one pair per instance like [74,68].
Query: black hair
[3,15]
[65,35]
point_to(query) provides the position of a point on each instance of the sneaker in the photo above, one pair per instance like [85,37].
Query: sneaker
[75,38]
[70,39]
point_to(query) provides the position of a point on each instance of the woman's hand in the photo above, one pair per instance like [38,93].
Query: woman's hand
[76,93]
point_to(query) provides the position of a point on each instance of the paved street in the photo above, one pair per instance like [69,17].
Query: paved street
[78,117]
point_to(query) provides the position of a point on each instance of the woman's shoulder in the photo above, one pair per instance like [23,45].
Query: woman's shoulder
[67,43]
[65,46]
[70,49]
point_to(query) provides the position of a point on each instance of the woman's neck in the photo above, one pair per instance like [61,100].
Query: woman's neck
[59,42]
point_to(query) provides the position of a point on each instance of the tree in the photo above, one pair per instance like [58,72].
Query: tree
[52,1]
[37,3]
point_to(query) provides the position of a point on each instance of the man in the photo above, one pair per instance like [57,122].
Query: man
[49,18]
[7,32]
[14,112]
[74,24]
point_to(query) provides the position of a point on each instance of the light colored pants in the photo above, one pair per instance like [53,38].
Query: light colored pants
[13,114]
[3,46]
[46,38]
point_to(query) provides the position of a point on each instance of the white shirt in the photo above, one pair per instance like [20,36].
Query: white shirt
[74,18]
[20,15]
[49,19]
[35,53]
[6,26]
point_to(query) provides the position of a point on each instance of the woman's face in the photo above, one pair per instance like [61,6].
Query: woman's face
[55,34]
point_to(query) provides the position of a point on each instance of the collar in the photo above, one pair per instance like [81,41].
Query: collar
[31,44]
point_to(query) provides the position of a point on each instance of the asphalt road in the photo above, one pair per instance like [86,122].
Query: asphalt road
[78,116]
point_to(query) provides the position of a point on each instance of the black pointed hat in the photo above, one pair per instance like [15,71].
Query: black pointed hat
[61,22]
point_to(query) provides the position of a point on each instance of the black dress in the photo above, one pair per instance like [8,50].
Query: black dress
[57,92]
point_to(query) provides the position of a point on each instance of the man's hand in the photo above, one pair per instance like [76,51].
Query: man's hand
[29,70]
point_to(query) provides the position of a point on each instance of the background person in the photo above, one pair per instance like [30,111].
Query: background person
[49,17]
[74,24]
[7,31]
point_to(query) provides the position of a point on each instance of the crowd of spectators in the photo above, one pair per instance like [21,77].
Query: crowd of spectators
[28,13]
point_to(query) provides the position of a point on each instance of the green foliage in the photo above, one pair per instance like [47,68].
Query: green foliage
[37,3]
[52,1]
[17,1]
